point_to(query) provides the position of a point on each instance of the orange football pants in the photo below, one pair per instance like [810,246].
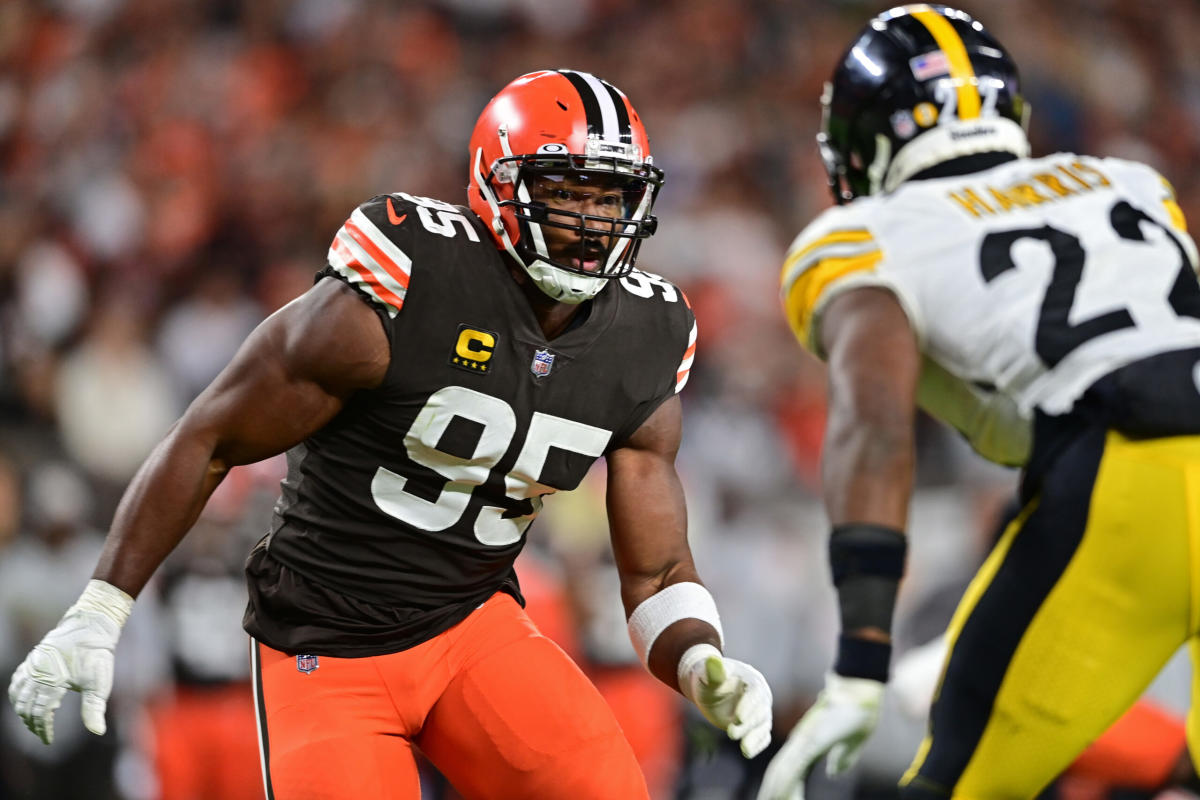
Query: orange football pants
[498,708]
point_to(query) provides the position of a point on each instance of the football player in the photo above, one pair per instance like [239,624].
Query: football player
[450,368]
[1049,310]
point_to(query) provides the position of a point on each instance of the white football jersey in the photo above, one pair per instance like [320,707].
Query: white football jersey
[1024,283]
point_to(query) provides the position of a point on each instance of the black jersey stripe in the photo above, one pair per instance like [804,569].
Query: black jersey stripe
[591,103]
[623,128]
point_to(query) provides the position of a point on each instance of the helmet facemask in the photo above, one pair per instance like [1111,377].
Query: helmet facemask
[607,246]
[844,183]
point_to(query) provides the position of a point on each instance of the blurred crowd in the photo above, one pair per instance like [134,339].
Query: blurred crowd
[171,173]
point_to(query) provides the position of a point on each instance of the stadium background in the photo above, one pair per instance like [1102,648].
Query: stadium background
[170,173]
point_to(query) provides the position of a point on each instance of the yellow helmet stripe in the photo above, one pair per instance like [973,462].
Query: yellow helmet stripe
[950,43]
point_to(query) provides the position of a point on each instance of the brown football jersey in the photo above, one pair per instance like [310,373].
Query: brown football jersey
[407,510]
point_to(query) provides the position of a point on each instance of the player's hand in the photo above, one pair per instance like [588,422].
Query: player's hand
[78,655]
[730,694]
[845,714]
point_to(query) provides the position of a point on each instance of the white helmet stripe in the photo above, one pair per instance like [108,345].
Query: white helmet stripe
[599,107]
[623,126]
[608,109]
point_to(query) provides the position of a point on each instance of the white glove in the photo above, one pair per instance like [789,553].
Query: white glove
[730,694]
[845,714]
[78,655]
[915,677]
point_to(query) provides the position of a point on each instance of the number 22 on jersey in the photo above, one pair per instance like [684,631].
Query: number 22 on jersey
[1057,335]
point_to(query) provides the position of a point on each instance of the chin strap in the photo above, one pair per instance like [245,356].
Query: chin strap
[564,286]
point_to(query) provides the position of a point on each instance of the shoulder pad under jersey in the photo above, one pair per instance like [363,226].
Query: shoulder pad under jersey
[836,245]
[369,251]
[670,306]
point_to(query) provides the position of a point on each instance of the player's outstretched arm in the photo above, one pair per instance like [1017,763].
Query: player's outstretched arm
[874,364]
[673,620]
[291,376]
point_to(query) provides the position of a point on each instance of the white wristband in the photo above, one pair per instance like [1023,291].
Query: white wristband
[660,610]
[106,599]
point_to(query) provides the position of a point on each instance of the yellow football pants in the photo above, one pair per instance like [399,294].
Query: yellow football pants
[1086,596]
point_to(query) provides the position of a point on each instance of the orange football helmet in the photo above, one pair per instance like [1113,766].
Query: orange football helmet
[562,123]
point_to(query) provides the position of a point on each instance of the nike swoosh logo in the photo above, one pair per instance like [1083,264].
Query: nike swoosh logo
[392,213]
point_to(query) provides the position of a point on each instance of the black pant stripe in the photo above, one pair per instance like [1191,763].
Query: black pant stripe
[1037,558]
[260,712]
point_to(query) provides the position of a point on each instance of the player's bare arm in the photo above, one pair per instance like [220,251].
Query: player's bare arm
[648,519]
[673,619]
[868,460]
[290,377]
[874,364]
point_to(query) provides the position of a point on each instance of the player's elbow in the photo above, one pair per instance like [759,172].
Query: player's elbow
[878,438]
[638,585]
[190,441]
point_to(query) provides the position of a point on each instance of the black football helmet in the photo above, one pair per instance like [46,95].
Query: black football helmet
[921,84]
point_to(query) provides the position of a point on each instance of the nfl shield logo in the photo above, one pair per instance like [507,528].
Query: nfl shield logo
[307,664]
[903,124]
[543,360]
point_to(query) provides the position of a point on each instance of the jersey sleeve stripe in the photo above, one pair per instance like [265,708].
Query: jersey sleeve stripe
[348,266]
[1171,204]
[802,297]
[685,366]
[842,243]
[385,254]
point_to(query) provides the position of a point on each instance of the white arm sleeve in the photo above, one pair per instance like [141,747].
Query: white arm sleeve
[990,421]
